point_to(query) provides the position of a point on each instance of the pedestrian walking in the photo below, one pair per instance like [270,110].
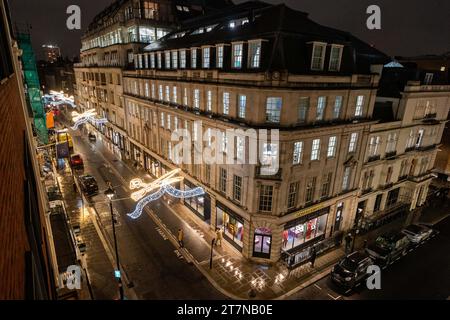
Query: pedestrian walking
[74,185]
[218,237]
[180,237]
[313,256]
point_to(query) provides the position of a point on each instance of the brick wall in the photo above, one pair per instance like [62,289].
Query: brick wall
[13,239]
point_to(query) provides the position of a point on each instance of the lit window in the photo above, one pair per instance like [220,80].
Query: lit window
[315,150]
[152,60]
[374,146]
[240,148]
[335,58]
[197,99]
[419,138]
[159,60]
[321,104]
[167,93]
[237,55]
[168,121]
[206,56]
[337,107]
[193,58]
[298,153]
[353,142]
[174,59]
[254,51]
[161,92]
[167,56]
[331,147]
[242,106]
[219,63]
[183,59]
[185,97]
[273,109]
[359,106]
[318,56]
[265,198]
[162,119]
[346,179]
[209,100]
[226,103]
[174,95]
[391,142]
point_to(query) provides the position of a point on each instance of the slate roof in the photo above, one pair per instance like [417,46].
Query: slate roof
[287,32]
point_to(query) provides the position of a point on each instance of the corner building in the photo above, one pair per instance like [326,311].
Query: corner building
[258,66]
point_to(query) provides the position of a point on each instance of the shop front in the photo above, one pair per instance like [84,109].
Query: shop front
[301,234]
[152,165]
[135,153]
[231,224]
[262,243]
[200,205]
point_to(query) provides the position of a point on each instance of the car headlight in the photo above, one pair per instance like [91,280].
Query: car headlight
[348,279]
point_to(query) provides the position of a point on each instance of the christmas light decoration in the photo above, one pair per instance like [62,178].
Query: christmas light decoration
[87,116]
[164,185]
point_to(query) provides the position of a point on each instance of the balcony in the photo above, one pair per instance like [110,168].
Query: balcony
[410,149]
[366,191]
[386,186]
[390,155]
[426,148]
[430,116]
[374,158]
[421,177]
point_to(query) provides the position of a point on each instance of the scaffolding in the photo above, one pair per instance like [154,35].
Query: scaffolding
[32,85]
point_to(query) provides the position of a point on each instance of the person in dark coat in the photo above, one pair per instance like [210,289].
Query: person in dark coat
[348,242]
[313,256]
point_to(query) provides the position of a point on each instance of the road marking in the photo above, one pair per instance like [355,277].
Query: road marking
[315,285]
[333,297]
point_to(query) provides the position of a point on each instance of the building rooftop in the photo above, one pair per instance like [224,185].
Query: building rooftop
[288,32]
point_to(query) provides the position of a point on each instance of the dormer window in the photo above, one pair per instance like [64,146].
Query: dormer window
[254,54]
[335,58]
[238,49]
[193,58]
[318,56]
[219,58]
[175,59]
[206,57]
[183,59]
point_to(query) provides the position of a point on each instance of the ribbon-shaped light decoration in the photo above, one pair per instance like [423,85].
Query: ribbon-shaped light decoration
[55,98]
[86,116]
[163,185]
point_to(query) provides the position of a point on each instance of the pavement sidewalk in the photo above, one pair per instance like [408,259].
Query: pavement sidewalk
[98,267]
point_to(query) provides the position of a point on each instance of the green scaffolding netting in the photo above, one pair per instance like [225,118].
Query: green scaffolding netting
[31,79]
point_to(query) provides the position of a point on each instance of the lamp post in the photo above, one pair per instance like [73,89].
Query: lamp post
[110,194]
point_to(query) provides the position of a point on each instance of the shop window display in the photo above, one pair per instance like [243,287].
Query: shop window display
[304,232]
[232,227]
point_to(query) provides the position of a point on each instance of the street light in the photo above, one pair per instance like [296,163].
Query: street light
[110,194]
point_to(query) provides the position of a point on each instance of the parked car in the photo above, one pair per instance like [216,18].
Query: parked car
[351,270]
[76,162]
[389,247]
[92,137]
[88,185]
[417,233]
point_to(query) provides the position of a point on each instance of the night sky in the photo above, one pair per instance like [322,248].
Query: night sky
[409,27]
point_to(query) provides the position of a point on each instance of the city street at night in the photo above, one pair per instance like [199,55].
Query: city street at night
[226,159]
